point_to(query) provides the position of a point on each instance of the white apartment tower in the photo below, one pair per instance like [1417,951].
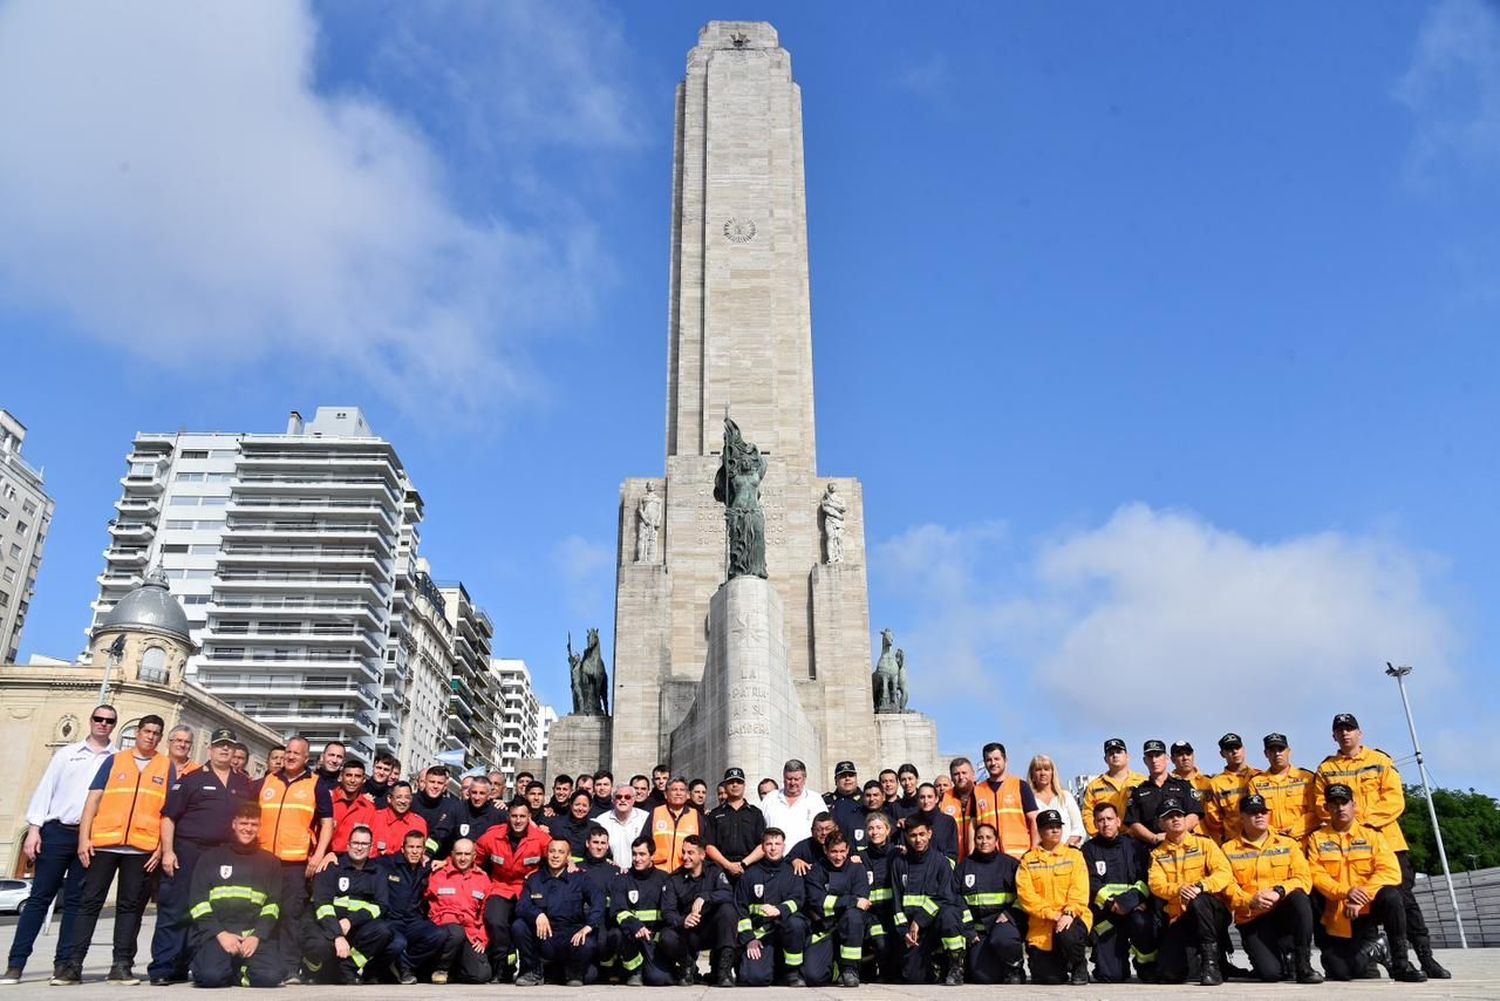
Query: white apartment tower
[288,553]
[520,715]
[25,516]
[473,704]
[424,731]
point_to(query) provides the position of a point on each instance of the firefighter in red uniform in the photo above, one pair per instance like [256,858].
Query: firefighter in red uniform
[508,853]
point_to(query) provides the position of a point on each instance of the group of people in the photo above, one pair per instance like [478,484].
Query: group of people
[332,873]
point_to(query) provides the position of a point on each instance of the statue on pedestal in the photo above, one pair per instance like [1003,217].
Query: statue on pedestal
[589,678]
[737,487]
[647,524]
[834,509]
[887,680]
[902,692]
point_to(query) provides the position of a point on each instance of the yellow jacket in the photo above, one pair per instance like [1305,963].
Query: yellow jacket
[1221,806]
[1194,859]
[1105,789]
[1292,798]
[1276,861]
[1359,857]
[1049,885]
[1377,791]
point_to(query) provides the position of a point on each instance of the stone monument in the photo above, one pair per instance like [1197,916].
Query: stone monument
[744,636]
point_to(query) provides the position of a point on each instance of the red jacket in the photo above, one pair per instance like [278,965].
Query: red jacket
[457,898]
[507,867]
[349,814]
[390,830]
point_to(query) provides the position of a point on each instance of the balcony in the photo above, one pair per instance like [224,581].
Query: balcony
[121,556]
[131,529]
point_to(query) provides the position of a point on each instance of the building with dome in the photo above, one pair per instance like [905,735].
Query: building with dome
[139,653]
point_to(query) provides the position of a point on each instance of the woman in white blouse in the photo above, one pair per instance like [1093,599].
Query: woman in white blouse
[1042,774]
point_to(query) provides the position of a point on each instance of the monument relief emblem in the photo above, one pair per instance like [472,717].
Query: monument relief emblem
[738,230]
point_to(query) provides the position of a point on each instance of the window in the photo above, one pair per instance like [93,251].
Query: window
[4,514]
[15,551]
[174,549]
[22,528]
[207,550]
[29,507]
[4,599]
[143,469]
[193,453]
[10,575]
[190,477]
[154,666]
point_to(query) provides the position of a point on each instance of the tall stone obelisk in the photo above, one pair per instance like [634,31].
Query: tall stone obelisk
[740,343]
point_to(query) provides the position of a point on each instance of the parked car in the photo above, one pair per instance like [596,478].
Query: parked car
[13,893]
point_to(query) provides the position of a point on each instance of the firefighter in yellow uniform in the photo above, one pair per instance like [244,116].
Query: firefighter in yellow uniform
[1221,809]
[1113,786]
[1052,886]
[1188,872]
[1380,799]
[1268,897]
[1355,870]
[1291,793]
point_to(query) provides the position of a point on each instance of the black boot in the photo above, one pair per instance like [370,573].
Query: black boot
[1401,968]
[1208,974]
[1287,966]
[724,967]
[1304,969]
[1430,965]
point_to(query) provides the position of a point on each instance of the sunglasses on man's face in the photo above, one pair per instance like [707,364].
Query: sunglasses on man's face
[106,720]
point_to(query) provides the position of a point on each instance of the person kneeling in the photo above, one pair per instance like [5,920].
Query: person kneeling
[1188,871]
[987,882]
[349,903]
[456,895]
[768,902]
[1269,897]
[234,888]
[927,907]
[838,910]
[1054,892]
[557,918]
[698,911]
[635,915]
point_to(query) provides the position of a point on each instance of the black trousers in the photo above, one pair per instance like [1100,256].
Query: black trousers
[945,933]
[535,953]
[174,925]
[293,903]
[1341,956]
[1118,938]
[637,956]
[57,870]
[1416,924]
[681,946]
[213,967]
[835,946]
[368,943]
[457,957]
[1287,927]
[884,948]
[1052,966]
[999,950]
[499,915]
[416,944]
[1191,937]
[783,948]
[136,886]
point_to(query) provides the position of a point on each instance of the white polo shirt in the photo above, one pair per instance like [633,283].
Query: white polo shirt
[795,819]
[621,834]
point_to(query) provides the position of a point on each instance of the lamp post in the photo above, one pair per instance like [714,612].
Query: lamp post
[1400,673]
[115,654]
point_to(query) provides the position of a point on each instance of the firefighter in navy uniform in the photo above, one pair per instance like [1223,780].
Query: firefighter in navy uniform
[1124,914]
[838,911]
[929,915]
[416,940]
[768,901]
[845,804]
[559,918]
[349,931]
[636,913]
[234,890]
[698,911]
[986,881]
[882,939]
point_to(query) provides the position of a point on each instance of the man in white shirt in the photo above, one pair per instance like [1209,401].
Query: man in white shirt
[52,820]
[792,808]
[624,824]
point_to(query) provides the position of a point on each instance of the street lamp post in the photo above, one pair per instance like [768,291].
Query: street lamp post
[1400,673]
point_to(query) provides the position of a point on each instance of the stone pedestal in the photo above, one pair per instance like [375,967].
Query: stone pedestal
[746,713]
[577,744]
[908,737]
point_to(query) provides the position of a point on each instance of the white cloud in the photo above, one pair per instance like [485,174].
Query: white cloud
[172,183]
[1452,87]
[1157,623]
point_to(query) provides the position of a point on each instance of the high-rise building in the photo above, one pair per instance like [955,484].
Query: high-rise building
[521,714]
[544,730]
[474,701]
[25,517]
[284,550]
[424,687]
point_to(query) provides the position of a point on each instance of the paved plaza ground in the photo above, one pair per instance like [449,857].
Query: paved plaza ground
[1476,974]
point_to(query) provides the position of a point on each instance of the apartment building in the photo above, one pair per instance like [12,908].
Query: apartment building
[25,517]
[520,714]
[474,702]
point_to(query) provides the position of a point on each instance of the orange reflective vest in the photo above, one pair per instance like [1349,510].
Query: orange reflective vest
[286,816]
[130,810]
[961,809]
[1004,808]
[668,832]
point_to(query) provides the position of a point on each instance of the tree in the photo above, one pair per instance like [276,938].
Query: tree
[1471,827]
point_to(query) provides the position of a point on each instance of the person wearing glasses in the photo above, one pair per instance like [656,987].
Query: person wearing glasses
[52,819]
[624,824]
[180,751]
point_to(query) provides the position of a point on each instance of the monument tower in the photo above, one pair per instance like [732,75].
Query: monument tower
[752,671]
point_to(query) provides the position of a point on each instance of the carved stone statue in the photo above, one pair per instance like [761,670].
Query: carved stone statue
[737,487]
[901,690]
[887,676]
[834,509]
[589,678]
[647,524]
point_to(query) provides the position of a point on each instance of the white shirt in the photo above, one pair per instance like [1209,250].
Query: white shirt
[794,819]
[1068,807]
[64,787]
[622,833]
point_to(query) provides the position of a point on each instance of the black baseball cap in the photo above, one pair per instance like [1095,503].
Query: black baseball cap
[224,735]
[1345,721]
[1230,741]
[1114,744]
[734,775]
[1275,740]
[1253,803]
[1153,747]
[1181,747]
[844,768]
[1338,791]
[1171,805]
[1048,818]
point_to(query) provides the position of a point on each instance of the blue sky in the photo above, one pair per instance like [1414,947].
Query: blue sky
[1164,340]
